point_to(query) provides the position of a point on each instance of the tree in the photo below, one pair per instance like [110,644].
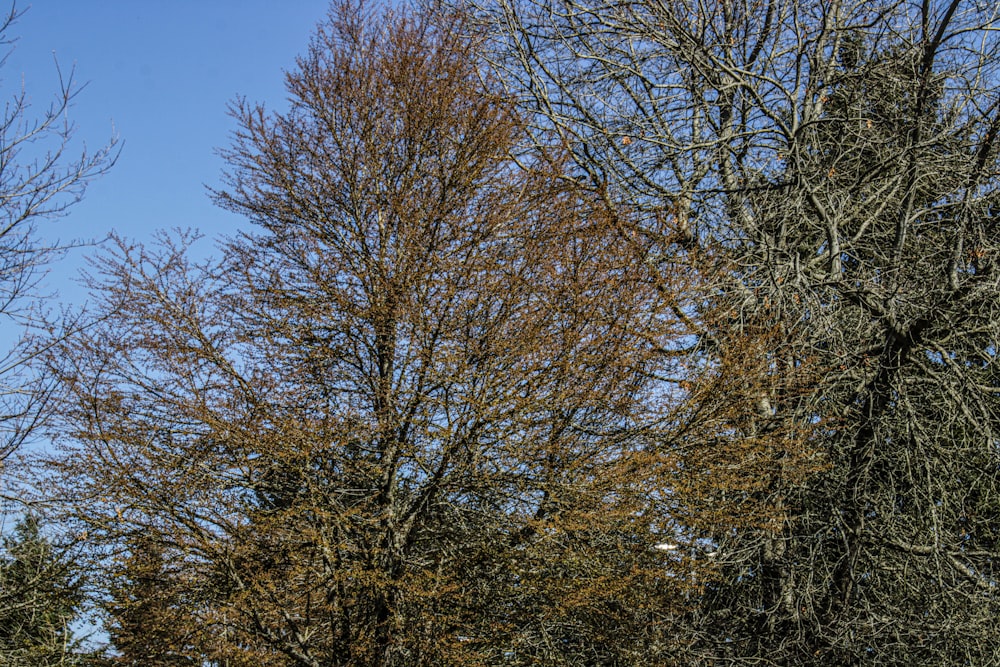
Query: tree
[39,180]
[394,425]
[842,158]
[443,406]
[41,596]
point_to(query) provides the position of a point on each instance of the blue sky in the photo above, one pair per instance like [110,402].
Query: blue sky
[159,74]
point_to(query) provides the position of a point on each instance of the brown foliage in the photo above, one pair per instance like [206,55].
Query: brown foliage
[438,409]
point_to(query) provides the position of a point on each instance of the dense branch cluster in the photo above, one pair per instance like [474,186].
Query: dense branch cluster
[842,157]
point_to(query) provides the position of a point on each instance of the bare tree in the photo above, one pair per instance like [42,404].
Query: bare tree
[842,156]
[40,178]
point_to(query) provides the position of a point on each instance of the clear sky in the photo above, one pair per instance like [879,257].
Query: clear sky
[159,74]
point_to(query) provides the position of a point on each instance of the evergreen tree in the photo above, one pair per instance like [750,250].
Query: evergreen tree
[41,595]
